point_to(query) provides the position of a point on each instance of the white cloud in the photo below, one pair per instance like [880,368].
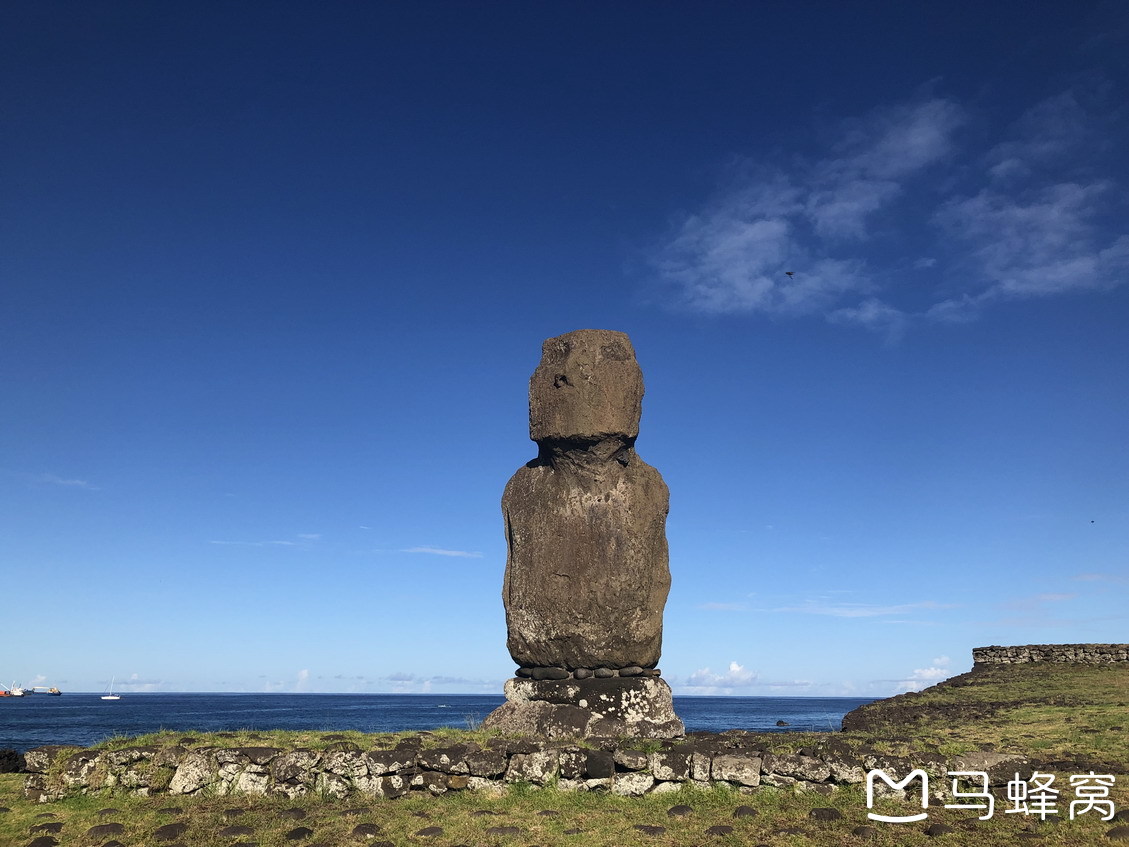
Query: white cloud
[1038,227]
[734,256]
[723,607]
[920,678]
[924,677]
[705,681]
[1035,216]
[1037,242]
[438,551]
[879,151]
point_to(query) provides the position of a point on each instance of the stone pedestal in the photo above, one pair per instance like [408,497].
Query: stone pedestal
[636,707]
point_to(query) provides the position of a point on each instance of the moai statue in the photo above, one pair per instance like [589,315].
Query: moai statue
[587,571]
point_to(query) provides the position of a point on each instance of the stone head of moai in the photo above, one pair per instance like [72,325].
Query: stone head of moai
[588,387]
[587,571]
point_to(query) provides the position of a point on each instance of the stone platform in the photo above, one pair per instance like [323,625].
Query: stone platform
[636,707]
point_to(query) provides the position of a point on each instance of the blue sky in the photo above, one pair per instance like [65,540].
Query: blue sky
[274,278]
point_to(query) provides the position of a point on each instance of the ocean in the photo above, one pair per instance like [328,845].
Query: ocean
[85,719]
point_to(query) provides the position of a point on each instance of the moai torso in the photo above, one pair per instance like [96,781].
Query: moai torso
[587,571]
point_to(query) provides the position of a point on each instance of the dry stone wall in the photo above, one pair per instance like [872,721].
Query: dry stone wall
[739,759]
[1087,654]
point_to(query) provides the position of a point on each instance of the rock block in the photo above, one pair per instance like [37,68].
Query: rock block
[640,707]
[587,387]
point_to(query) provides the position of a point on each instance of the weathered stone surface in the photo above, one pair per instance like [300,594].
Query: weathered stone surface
[796,766]
[587,573]
[744,770]
[1090,654]
[640,707]
[537,768]
[587,386]
[486,763]
[389,761]
[599,764]
[632,784]
[39,759]
[295,767]
[671,764]
[196,771]
[540,720]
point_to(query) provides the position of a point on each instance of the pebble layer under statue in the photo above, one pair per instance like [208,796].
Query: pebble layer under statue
[587,571]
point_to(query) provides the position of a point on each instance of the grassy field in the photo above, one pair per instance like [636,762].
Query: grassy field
[1052,711]
[1069,717]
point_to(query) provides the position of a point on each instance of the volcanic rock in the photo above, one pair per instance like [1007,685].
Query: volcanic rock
[587,573]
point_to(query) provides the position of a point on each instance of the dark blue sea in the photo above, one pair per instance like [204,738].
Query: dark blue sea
[85,719]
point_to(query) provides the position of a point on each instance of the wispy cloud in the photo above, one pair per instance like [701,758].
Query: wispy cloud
[409,683]
[52,479]
[1038,610]
[439,551]
[257,543]
[734,255]
[304,541]
[860,610]
[1037,600]
[723,607]
[1102,577]
[1034,216]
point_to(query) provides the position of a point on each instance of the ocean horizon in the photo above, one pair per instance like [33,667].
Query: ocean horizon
[83,718]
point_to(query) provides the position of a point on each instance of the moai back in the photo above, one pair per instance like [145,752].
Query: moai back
[587,572]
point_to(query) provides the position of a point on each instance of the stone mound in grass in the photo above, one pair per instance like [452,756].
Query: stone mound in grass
[104,829]
[232,831]
[170,831]
[365,831]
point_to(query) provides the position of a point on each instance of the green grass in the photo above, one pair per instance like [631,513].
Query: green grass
[605,820]
[1043,709]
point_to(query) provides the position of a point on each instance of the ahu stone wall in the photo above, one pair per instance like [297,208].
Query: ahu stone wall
[741,760]
[1086,654]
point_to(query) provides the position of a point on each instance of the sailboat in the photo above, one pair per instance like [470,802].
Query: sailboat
[111,695]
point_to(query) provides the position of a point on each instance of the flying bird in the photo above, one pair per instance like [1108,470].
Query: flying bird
[789,274]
